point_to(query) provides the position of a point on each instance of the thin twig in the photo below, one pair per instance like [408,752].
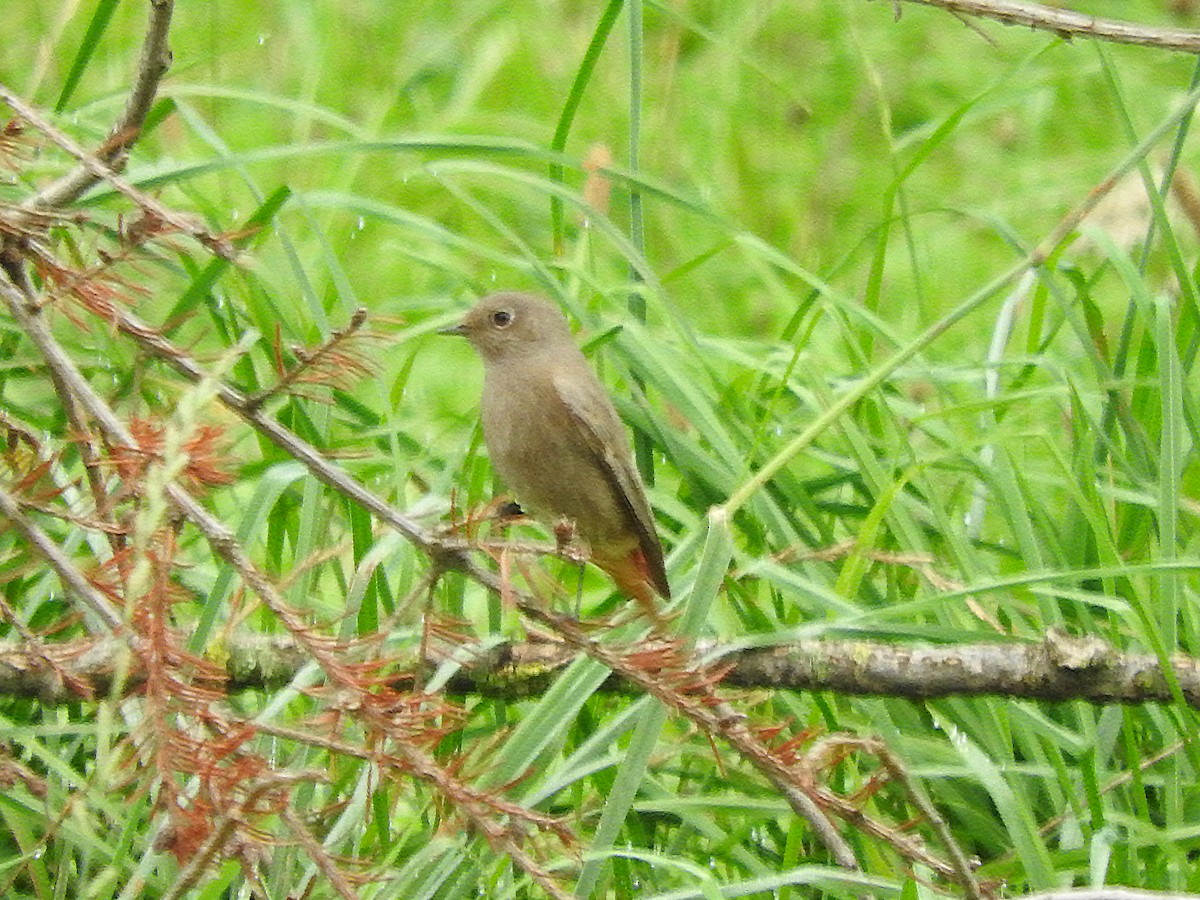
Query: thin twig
[70,576]
[712,720]
[1143,765]
[319,855]
[214,243]
[88,454]
[157,345]
[324,356]
[153,64]
[220,836]
[1068,24]
[896,769]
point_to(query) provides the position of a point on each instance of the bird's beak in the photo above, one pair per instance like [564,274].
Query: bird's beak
[459,330]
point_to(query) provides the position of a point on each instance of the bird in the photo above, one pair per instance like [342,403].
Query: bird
[557,443]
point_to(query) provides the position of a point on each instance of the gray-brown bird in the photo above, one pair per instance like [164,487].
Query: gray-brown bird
[557,443]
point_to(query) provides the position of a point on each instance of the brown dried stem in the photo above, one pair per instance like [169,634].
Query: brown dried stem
[958,869]
[70,576]
[220,836]
[88,453]
[326,364]
[317,853]
[443,553]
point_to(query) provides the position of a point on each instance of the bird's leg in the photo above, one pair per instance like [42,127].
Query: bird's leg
[564,537]
[565,545]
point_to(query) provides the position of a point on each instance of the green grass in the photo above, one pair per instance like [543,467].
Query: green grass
[818,185]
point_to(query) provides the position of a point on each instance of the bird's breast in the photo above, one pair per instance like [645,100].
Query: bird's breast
[538,450]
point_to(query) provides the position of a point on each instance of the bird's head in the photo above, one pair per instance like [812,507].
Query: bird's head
[510,324]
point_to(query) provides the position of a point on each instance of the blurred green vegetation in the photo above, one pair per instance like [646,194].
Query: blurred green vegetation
[820,182]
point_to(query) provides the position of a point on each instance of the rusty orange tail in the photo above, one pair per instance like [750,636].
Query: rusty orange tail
[633,577]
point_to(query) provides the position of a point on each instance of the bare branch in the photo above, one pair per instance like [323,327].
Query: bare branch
[1068,24]
[152,66]
[319,855]
[716,720]
[444,552]
[15,268]
[328,363]
[963,871]
[189,225]
[68,574]
[1060,668]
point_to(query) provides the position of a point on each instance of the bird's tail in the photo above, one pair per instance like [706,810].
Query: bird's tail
[631,573]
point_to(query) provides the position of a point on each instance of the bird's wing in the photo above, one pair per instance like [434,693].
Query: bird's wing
[601,431]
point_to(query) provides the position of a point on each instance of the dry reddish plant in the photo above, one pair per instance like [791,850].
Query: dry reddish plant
[205,464]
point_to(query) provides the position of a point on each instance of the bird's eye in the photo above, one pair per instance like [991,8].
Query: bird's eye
[501,318]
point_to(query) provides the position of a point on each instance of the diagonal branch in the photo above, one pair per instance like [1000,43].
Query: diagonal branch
[326,364]
[70,576]
[964,870]
[445,553]
[717,721]
[13,264]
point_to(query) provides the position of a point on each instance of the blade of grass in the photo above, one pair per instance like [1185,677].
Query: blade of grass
[591,56]
[203,283]
[87,49]
[1012,806]
[881,372]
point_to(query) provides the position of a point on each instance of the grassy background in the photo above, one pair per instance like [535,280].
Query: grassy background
[819,183]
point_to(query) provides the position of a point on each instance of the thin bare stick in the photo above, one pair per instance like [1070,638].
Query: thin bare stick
[896,769]
[447,553]
[1068,24]
[153,64]
[220,836]
[322,360]
[214,243]
[319,855]
[88,454]
[68,574]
